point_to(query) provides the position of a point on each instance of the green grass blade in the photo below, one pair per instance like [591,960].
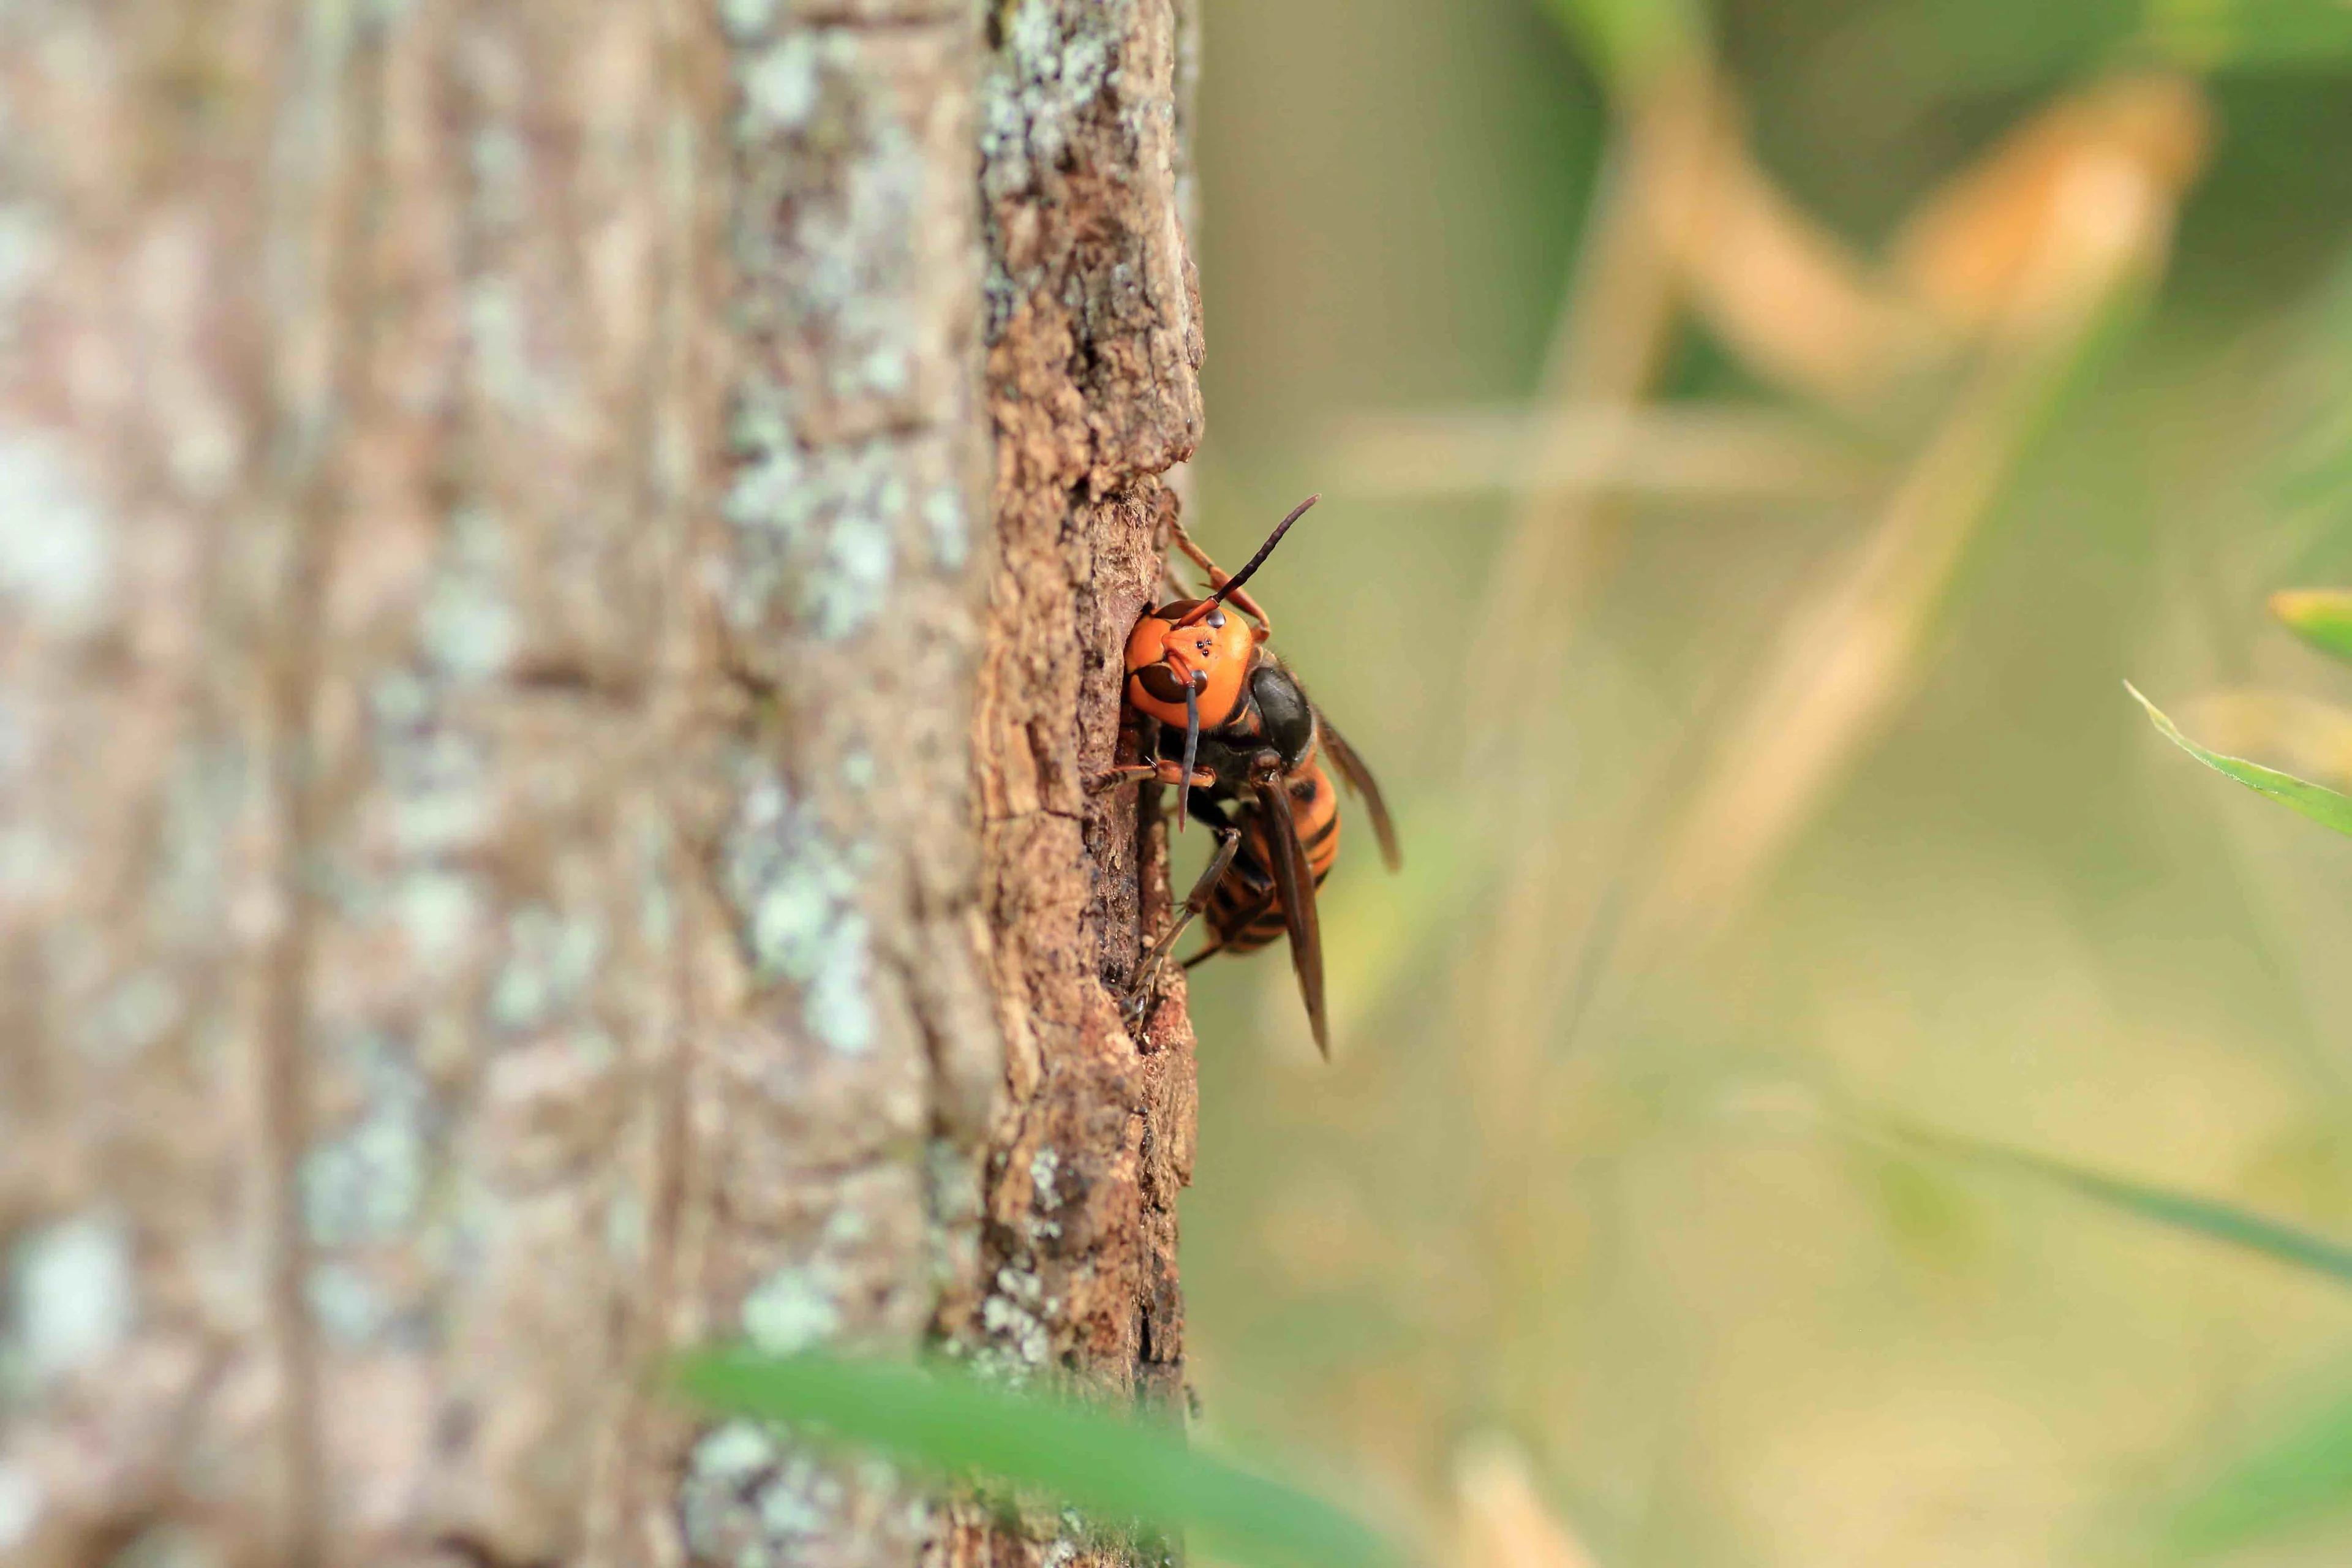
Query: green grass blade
[2300,1475]
[2321,617]
[1111,1468]
[2215,1221]
[2316,802]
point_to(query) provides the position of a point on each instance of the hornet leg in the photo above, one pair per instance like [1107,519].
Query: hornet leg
[1163,770]
[1138,993]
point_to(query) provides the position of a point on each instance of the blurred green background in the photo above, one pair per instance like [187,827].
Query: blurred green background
[1584,1170]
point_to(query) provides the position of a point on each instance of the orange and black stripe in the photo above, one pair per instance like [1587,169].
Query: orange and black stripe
[1245,912]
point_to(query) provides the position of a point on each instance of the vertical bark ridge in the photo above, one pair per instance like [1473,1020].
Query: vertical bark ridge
[845,1055]
[1093,347]
[317,207]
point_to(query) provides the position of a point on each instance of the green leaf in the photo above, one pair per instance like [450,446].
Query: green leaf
[2321,804]
[1114,1470]
[2321,617]
[2179,1211]
[2217,33]
[2300,1475]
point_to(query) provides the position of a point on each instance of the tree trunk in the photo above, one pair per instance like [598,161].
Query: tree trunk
[500,629]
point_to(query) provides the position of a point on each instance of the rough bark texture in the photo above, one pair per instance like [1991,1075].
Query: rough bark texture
[358,424]
[493,571]
[1094,352]
[846,1073]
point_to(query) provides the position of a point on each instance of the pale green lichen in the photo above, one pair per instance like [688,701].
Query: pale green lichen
[438,785]
[855,266]
[885,369]
[207,790]
[849,594]
[499,330]
[657,904]
[1031,101]
[795,891]
[501,168]
[751,1499]
[770,491]
[132,1017]
[440,912]
[56,546]
[823,524]
[1044,1166]
[27,244]
[166,1546]
[72,1296]
[627,1228]
[838,1004]
[791,1311]
[345,1304]
[848,1226]
[366,1182]
[17,747]
[399,700]
[21,1502]
[1014,1315]
[762,421]
[465,1227]
[943,515]
[30,863]
[592,1045]
[746,19]
[734,1452]
[781,87]
[952,1196]
[469,630]
[439,821]
[817,532]
[550,960]
[791,1507]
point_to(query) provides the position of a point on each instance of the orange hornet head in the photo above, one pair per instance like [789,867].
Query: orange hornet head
[1191,673]
[1187,660]
[1210,658]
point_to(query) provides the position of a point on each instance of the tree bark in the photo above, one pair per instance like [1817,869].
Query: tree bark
[503,611]
[1094,354]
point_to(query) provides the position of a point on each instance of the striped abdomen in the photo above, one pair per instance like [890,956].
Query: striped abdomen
[1245,912]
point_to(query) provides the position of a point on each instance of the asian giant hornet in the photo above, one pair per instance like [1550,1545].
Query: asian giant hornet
[1229,726]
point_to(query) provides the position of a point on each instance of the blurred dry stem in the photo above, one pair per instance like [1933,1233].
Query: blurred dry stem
[2028,254]
[1609,343]
[1679,451]
[2046,235]
[1797,304]
[1990,252]
[1502,1518]
[2025,251]
[1844,660]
